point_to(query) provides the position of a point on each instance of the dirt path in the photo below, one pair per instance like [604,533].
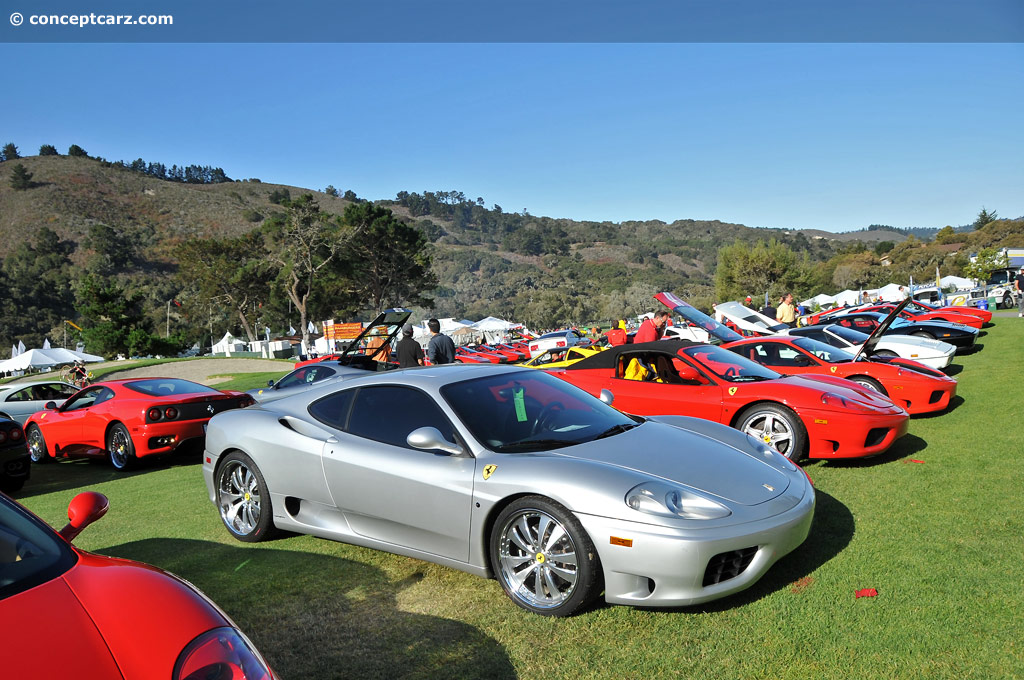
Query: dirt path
[199,370]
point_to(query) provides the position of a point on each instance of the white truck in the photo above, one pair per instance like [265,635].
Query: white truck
[1000,287]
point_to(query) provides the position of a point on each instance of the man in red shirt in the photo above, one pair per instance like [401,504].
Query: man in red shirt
[651,329]
[616,336]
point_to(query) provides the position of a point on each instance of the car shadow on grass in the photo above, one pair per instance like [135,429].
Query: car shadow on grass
[953,369]
[318,616]
[973,349]
[79,473]
[954,404]
[905,446]
[831,532]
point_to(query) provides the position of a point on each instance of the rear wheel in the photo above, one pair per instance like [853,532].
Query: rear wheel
[869,383]
[36,445]
[543,557]
[120,447]
[243,499]
[776,426]
[1007,301]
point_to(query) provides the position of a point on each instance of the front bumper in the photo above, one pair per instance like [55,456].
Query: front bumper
[929,398]
[834,434]
[667,567]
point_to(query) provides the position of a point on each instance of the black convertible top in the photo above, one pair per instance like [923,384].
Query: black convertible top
[609,358]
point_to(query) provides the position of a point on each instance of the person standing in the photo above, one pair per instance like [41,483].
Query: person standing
[787,312]
[1018,283]
[441,348]
[651,329]
[409,351]
[616,334]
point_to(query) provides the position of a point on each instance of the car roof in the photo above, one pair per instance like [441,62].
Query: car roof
[609,357]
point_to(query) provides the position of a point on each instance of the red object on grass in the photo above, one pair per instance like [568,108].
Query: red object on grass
[865,592]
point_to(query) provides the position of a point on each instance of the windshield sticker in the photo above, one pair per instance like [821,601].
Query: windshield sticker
[489,470]
[518,396]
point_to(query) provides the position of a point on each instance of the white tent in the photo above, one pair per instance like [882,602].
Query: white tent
[892,292]
[44,358]
[960,282]
[819,299]
[494,329]
[848,297]
[229,344]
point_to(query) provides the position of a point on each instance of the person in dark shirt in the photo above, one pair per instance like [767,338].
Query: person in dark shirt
[409,351]
[440,349]
[1018,284]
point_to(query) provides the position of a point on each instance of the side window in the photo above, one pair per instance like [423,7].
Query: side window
[333,409]
[389,413]
[22,395]
[318,373]
[296,377]
[84,399]
[64,391]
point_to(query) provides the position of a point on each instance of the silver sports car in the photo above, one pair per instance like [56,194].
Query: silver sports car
[512,473]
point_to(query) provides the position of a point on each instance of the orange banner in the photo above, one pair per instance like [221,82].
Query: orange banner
[342,331]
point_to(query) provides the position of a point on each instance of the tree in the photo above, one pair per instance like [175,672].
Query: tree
[21,178]
[10,152]
[231,270]
[390,259]
[350,195]
[945,235]
[883,247]
[37,285]
[984,217]
[113,250]
[302,245]
[769,267]
[77,151]
[987,261]
[330,190]
[48,150]
[112,318]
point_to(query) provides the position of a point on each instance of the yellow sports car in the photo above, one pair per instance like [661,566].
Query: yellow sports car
[560,357]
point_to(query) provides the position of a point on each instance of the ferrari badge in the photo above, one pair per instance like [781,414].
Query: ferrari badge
[833,369]
[732,390]
[489,470]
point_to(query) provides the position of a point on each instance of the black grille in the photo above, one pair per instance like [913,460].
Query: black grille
[875,436]
[936,396]
[727,565]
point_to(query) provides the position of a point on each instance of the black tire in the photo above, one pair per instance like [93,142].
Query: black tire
[1007,300]
[923,334]
[885,353]
[8,485]
[120,448]
[37,450]
[540,580]
[869,383]
[777,426]
[243,499]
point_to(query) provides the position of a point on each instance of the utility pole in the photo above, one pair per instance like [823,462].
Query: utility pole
[167,331]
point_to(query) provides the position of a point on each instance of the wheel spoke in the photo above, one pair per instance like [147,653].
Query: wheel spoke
[556,535]
[564,574]
[230,512]
[520,535]
[553,590]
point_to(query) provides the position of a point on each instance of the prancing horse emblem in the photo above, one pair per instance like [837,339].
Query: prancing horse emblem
[209,409]
[489,470]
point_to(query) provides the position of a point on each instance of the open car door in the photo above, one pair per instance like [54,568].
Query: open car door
[748,320]
[868,348]
[718,331]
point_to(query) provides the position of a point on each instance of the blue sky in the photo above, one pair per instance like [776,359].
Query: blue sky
[828,136]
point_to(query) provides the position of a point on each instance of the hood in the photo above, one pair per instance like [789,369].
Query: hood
[841,387]
[78,651]
[695,316]
[748,319]
[386,326]
[868,348]
[690,459]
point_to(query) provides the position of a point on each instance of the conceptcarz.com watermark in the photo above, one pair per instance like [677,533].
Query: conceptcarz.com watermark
[92,19]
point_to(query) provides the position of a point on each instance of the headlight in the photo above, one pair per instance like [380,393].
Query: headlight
[835,401]
[659,498]
[221,654]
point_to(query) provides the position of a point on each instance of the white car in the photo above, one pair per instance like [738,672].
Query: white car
[554,340]
[20,400]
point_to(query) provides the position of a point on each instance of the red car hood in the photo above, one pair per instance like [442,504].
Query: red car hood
[838,386]
[104,618]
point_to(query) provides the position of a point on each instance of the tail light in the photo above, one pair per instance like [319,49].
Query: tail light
[170,413]
[154,414]
[15,434]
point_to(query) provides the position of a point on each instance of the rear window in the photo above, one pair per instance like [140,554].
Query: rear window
[163,387]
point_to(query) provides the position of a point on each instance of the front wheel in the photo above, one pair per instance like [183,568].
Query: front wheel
[870,383]
[1007,301]
[120,448]
[776,426]
[243,499]
[36,445]
[543,558]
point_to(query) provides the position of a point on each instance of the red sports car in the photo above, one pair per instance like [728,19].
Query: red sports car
[124,420]
[469,355]
[72,614]
[824,416]
[919,306]
[913,313]
[914,386]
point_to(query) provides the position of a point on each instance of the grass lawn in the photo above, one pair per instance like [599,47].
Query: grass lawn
[941,540]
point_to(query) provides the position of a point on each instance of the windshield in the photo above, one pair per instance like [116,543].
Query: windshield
[164,387]
[531,411]
[30,553]
[728,365]
[822,351]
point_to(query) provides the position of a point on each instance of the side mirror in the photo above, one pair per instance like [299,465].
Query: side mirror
[607,397]
[270,383]
[429,439]
[686,371]
[50,406]
[84,509]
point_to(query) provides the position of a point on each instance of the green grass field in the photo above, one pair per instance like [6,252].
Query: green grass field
[942,541]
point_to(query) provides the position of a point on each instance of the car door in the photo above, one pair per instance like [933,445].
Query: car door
[700,398]
[390,491]
[20,404]
[780,356]
[63,427]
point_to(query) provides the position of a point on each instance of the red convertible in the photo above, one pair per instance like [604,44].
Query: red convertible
[825,417]
[123,420]
[114,618]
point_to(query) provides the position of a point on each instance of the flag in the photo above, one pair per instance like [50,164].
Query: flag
[46,343]
[938,279]
[176,303]
[14,351]
[266,332]
[291,330]
[311,328]
[911,286]
[21,347]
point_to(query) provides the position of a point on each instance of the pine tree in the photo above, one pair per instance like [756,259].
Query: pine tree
[10,152]
[21,178]
[48,150]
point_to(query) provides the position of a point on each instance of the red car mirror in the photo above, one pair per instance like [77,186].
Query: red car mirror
[84,509]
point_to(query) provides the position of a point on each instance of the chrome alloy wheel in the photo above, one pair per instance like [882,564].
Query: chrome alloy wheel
[771,429]
[36,445]
[119,446]
[238,497]
[538,559]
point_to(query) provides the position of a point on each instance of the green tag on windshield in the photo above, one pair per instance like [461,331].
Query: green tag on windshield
[518,395]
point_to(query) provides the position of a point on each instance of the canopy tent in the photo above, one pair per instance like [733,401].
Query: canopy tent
[820,299]
[960,282]
[892,292]
[44,358]
[228,344]
[495,329]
